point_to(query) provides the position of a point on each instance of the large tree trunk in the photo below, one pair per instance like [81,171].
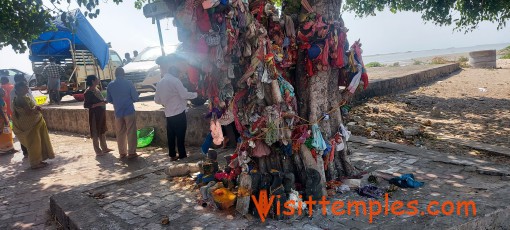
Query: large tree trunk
[320,94]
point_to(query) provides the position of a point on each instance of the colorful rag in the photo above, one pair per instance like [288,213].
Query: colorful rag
[207,143]
[285,85]
[216,132]
[370,191]
[318,142]
[355,81]
[406,181]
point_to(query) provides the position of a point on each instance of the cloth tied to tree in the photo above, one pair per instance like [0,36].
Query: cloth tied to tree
[216,132]
[318,142]
[261,149]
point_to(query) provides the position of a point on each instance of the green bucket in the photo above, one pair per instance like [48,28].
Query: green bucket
[144,136]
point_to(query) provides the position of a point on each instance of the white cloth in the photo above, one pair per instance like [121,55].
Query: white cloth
[345,133]
[172,95]
[355,80]
[13,94]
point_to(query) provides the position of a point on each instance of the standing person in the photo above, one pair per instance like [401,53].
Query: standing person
[7,87]
[20,78]
[30,128]
[173,96]
[53,72]
[122,94]
[95,102]
[127,58]
[6,144]
[135,53]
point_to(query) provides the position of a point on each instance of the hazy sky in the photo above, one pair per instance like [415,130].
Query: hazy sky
[127,29]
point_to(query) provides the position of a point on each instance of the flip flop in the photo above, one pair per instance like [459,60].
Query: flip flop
[40,165]
[174,158]
[107,150]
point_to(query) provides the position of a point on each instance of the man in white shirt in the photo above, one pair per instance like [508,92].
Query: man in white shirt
[174,97]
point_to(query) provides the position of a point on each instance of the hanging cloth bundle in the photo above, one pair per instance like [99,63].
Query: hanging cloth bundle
[260,149]
[356,47]
[285,86]
[355,81]
[307,6]
[240,128]
[207,143]
[339,62]
[318,142]
[290,30]
[216,132]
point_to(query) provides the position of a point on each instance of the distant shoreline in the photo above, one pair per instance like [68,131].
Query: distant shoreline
[425,55]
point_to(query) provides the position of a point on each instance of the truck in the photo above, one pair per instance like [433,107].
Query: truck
[79,49]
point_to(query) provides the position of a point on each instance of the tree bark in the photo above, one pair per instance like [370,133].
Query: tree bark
[317,95]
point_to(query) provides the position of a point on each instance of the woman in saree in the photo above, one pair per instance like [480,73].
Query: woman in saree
[30,128]
[6,144]
[95,102]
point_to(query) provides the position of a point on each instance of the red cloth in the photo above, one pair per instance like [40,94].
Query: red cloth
[325,54]
[237,97]
[309,67]
[212,87]
[193,76]
[364,78]
[7,98]
[340,50]
[203,22]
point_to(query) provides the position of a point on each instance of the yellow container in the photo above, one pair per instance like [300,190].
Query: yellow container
[41,99]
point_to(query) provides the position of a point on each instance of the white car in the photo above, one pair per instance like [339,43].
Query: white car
[11,72]
[143,70]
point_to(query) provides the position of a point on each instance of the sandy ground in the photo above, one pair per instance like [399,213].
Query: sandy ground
[472,104]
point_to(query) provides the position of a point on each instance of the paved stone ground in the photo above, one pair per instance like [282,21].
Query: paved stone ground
[143,200]
[24,193]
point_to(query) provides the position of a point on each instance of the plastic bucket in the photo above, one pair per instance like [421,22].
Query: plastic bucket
[144,137]
[40,100]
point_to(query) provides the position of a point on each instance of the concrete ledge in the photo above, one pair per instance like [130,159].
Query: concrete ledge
[76,121]
[500,150]
[499,219]
[81,212]
[381,87]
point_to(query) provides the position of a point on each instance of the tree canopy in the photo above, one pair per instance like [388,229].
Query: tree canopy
[464,14]
[23,20]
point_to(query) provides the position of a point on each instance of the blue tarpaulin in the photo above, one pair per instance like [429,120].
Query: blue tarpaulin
[78,31]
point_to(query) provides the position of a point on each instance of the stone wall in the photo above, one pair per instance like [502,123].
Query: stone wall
[381,87]
[76,121]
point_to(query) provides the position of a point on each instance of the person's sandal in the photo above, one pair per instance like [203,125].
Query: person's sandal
[40,165]
[132,156]
[174,158]
[107,150]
